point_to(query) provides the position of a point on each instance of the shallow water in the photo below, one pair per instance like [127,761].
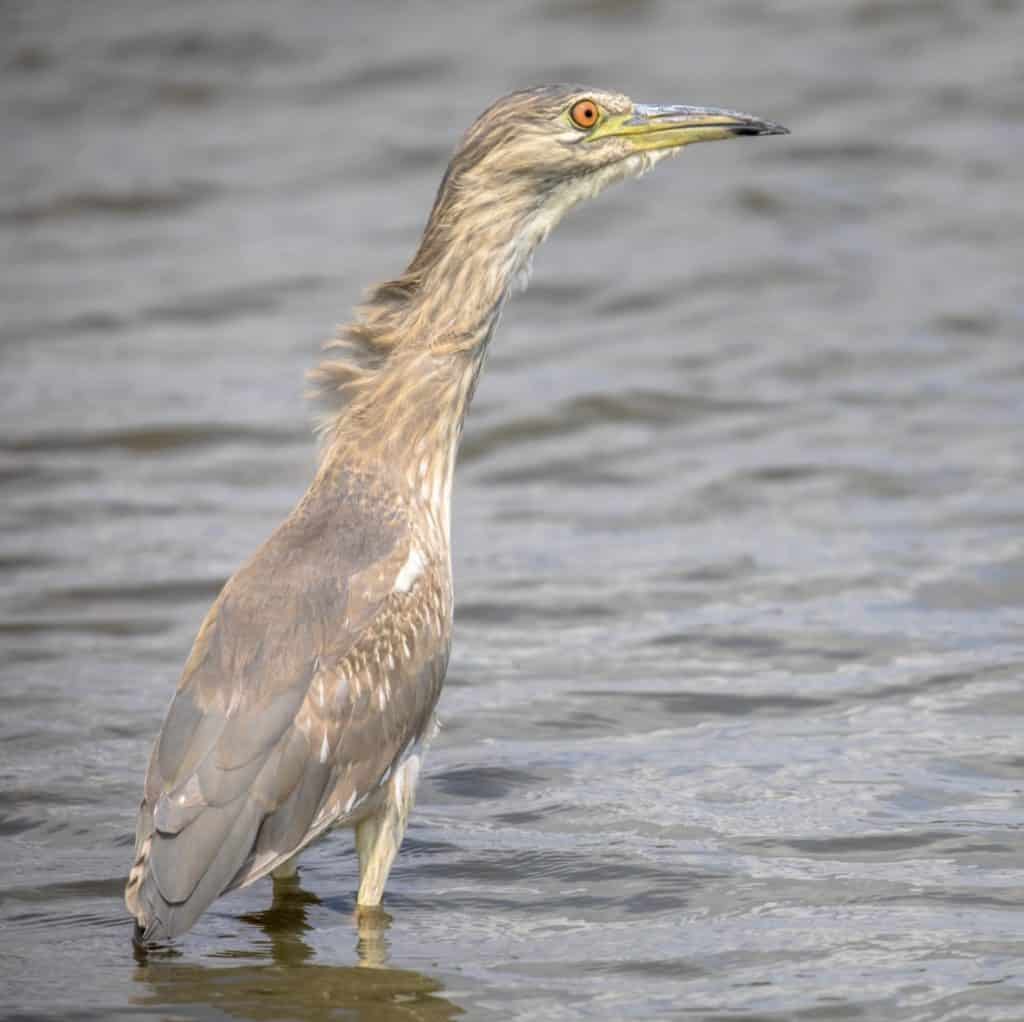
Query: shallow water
[733,727]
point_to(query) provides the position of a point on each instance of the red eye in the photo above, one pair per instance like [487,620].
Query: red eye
[584,113]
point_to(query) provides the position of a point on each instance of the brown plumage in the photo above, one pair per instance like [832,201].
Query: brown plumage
[311,686]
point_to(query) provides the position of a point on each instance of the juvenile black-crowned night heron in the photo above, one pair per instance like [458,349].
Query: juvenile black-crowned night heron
[310,690]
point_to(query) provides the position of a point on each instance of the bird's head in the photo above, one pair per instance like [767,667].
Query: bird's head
[557,133]
[532,155]
[525,161]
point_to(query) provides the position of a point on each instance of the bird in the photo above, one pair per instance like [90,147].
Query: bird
[309,695]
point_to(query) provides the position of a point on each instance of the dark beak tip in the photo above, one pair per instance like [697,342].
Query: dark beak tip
[760,128]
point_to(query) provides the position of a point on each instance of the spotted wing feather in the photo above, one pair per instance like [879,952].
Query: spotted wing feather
[278,718]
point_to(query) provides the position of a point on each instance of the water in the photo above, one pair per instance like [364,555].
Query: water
[733,728]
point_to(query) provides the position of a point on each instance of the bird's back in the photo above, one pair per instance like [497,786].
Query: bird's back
[313,674]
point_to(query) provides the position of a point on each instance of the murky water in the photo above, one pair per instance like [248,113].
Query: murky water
[734,727]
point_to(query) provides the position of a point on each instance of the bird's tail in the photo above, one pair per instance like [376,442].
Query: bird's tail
[135,878]
[138,891]
[175,876]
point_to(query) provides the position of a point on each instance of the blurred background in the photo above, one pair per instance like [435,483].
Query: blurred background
[733,726]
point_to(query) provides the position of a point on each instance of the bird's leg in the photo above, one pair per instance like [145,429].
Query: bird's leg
[287,869]
[378,837]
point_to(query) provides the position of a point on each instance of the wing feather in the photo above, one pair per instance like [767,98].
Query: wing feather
[271,720]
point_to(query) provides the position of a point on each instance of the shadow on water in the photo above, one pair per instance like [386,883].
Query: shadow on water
[292,986]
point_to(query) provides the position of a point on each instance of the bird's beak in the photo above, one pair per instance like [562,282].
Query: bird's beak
[671,127]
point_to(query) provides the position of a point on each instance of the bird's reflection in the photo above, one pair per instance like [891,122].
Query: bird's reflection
[286,921]
[372,947]
[292,985]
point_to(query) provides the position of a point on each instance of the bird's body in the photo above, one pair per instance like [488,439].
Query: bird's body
[311,687]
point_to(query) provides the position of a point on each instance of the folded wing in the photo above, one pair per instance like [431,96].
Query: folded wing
[310,676]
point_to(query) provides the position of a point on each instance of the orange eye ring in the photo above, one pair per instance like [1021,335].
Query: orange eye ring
[584,114]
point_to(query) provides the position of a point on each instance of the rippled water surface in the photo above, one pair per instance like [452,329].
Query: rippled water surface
[734,727]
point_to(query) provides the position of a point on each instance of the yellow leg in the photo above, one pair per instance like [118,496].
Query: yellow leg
[378,837]
[287,869]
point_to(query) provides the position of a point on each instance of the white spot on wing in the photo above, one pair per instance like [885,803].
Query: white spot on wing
[410,571]
[324,749]
[192,793]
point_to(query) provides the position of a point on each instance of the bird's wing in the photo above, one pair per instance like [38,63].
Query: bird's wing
[288,711]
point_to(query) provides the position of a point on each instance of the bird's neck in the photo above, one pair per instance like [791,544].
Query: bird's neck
[402,426]
[409,365]
[405,390]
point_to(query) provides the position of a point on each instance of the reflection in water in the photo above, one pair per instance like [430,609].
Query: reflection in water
[285,922]
[372,946]
[292,987]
